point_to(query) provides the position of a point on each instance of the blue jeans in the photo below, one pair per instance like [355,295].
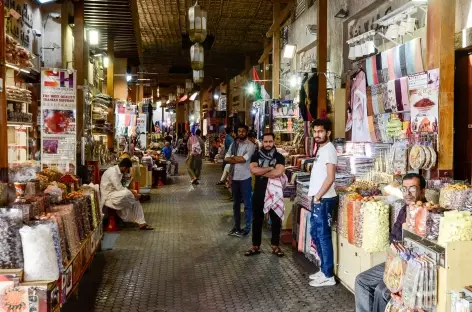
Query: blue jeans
[242,189]
[320,221]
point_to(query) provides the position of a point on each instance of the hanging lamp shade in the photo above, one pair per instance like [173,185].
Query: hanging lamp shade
[198,76]
[197,56]
[188,85]
[197,18]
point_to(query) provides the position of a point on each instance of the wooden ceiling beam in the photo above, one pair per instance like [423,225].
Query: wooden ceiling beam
[267,50]
[282,17]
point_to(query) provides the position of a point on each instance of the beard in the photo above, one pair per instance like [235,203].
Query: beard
[268,148]
[242,138]
[321,141]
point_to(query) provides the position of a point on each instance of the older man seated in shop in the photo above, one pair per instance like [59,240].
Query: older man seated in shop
[372,295]
[115,196]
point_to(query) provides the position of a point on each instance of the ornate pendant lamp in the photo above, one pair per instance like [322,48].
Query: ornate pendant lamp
[180,90]
[197,56]
[188,85]
[198,76]
[197,23]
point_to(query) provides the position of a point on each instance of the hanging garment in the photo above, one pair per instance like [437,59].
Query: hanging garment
[398,95]
[385,74]
[370,109]
[302,96]
[396,63]
[390,61]
[378,64]
[391,97]
[404,92]
[369,71]
[312,96]
[402,56]
[360,125]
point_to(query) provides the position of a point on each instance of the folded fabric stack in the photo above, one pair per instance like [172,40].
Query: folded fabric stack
[358,166]
[343,180]
[302,194]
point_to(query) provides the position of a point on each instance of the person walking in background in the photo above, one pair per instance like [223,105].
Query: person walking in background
[324,199]
[239,156]
[268,166]
[228,141]
[253,138]
[196,148]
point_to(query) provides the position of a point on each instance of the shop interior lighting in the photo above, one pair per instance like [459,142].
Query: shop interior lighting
[105,61]
[128,78]
[253,111]
[44,1]
[216,96]
[93,37]
[289,51]
[250,88]
[192,118]
[193,96]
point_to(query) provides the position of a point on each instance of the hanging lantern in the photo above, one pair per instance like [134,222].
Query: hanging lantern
[188,85]
[197,56]
[180,90]
[197,18]
[198,76]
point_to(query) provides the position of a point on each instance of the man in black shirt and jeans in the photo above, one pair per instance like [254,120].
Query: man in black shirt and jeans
[265,164]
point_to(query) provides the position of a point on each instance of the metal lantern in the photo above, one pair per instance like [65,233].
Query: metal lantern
[188,85]
[180,90]
[197,56]
[198,76]
[197,18]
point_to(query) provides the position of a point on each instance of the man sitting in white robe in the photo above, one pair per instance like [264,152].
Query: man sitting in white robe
[114,195]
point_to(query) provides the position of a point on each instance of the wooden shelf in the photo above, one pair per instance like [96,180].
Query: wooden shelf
[18,101]
[19,124]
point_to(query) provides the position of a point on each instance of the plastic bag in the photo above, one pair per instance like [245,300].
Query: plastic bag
[432,224]
[52,224]
[350,221]
[394,272]
[421,218]
[397,206]
[359,224]
[410,283]
[455,226]
[454,196]
[376,226]
[411,212]
[40,254]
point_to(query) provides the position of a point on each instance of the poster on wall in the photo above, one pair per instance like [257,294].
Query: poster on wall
[424,98]
[58,119]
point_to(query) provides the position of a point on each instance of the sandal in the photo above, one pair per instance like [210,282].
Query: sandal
[253,251]
[277,251]
[146,227]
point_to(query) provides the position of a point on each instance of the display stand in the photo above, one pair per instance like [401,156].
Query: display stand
[453,260]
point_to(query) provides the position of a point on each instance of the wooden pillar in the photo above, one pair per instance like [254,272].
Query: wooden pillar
[3,102]
[322,37]
[64,26]
[441,54]
[111,88]
[79,64]
[276,52]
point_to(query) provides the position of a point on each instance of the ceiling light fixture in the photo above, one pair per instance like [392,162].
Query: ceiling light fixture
[128,78]
[193,96]
[44,1]
[216,96]
[289,51]
[105,61]
[93,37]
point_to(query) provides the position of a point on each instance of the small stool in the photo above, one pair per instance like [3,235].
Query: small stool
[112,225]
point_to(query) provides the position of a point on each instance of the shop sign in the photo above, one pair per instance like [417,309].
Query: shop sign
[58,119]
[424,101]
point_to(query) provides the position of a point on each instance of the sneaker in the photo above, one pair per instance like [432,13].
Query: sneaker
[233,232]
[242,233]
[221,183]
[317,275]
[327,281]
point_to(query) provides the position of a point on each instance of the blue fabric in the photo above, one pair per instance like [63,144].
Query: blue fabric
[242,189]
[320,222]
[167,152]
[228,141]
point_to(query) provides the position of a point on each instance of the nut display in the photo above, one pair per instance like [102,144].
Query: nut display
[454,196]
[376,226]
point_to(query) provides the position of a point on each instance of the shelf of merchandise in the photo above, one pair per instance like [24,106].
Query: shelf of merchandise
[18,101]
[285,117]
[19,124]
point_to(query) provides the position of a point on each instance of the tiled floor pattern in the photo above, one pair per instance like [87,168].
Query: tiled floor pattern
[189,263]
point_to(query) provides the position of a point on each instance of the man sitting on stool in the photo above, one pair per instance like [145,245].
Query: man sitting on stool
[371,292]
[115,196]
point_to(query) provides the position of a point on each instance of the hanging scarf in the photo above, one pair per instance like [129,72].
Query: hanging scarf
[267,158]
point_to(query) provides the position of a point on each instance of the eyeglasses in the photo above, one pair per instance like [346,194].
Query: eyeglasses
[409,190]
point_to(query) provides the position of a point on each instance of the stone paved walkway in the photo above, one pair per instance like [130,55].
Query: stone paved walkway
[190,264]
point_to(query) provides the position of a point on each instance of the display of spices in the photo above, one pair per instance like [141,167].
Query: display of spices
[16,54]
[355,224]
[455,226]
[11,253]
[71,182]
[43,181]
[433,223]
[52,224]
[26,210]
[376,226]
[32,187]
[3,194]
[62,236]
[67,215]
[454,196]
[343,213]
[52,174]
[41,262]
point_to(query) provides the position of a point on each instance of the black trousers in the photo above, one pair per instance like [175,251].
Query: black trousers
[258,220]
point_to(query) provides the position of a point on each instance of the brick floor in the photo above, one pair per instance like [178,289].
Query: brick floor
[189,263]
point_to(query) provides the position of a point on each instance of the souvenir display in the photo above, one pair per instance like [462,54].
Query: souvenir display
[455,226]
[11,253]
[454,196]
[417,157]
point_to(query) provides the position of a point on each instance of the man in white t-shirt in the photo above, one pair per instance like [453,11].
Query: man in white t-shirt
[324,199]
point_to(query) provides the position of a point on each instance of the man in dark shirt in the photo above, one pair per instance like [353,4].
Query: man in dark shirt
[265,164]
[371,293]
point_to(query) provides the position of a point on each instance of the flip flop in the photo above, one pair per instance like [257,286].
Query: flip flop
[253,251]
[277,251]
[146,227]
